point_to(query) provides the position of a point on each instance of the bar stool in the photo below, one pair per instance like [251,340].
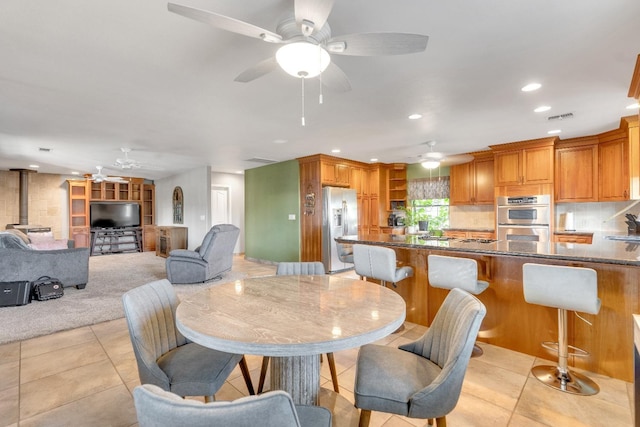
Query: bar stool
[446,272]
[379,263]
[345,252]
[564,288]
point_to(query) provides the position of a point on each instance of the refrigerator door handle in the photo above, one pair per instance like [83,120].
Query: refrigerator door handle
[345,215]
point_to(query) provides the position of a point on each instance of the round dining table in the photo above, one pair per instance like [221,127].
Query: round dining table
[292,319]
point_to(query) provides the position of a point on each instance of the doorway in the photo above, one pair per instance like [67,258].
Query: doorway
[220,205]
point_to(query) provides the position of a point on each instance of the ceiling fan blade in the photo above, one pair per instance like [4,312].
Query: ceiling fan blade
[335,79]
[258,70]
[375,44]
[312,12]
[224,22]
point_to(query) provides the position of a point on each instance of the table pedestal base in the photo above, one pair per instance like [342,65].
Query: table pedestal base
[297,375]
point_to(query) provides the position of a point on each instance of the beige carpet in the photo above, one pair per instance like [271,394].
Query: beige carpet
[110,276]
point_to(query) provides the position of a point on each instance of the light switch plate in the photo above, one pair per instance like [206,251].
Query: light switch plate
[292,217]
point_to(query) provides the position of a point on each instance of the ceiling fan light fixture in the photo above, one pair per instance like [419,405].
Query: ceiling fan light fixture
[430,164]
[303,59]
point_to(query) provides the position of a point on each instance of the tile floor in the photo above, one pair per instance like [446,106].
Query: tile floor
[84,377]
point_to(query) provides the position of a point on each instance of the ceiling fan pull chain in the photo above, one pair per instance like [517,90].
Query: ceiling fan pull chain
[302,98]
[320,76]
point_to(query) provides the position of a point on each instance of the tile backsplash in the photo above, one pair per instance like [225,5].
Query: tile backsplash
[480,216]
[596,217]
[588,217]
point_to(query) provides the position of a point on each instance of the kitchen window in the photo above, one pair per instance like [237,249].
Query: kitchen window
[430,200]
[436,211]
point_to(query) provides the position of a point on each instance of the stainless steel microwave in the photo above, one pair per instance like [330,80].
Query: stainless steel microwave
[527,210]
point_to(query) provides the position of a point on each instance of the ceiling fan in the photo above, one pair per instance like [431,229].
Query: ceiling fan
[100,177]
[125,162]
[433,159]
[307,42]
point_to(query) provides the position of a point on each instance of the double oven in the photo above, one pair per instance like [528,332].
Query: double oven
[524,218]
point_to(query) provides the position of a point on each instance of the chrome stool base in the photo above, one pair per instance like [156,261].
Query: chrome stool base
[569,382]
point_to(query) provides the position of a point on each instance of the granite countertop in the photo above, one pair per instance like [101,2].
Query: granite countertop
[481,230]
[600,251]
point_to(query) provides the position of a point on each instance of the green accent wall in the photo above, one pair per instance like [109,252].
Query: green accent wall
[416,171]
[272,193]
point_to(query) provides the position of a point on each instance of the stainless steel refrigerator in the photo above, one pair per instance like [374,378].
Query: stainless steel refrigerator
[339,218]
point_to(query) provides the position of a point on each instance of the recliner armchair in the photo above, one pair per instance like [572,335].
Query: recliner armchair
[211,259]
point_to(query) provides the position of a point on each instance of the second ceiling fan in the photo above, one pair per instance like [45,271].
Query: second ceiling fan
[308,43]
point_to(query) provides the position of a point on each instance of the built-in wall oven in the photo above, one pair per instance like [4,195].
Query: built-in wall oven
[523,218]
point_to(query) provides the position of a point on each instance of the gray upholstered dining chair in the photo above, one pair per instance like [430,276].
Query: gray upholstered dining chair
[379,263]
[297,268]
[158,408]
[164,356]
[421,379]
[210,260]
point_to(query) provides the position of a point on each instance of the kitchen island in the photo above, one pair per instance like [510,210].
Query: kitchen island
[513,323]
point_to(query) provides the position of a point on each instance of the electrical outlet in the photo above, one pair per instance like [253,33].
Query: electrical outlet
[292,217]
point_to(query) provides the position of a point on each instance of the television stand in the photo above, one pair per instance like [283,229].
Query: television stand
[116,240]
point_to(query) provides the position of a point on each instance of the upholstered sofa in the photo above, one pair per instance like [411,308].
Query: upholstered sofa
[19,262]
[210,260]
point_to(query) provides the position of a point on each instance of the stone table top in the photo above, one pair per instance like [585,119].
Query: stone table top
[290,315]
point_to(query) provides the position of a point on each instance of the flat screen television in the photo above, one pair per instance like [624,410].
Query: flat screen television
[114,214]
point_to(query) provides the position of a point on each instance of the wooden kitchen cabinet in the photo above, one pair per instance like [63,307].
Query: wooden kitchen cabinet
[614,170]
[531,164]
[369,205]
[468,234]
[619,162]
[455,234]
[573,238]
[358,180]
[472,183]
[335,174]
[576,170]
[372,183]
[397,186]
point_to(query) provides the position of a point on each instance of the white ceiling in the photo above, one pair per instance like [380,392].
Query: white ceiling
[85,78]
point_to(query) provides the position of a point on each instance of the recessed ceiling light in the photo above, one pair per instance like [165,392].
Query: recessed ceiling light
[75,173]
[335,150]
[34,166]
[633,106]
[542,108]
[279,141]
[415,116]
[553,132]
[531,86]
[240,172]
[374,160]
